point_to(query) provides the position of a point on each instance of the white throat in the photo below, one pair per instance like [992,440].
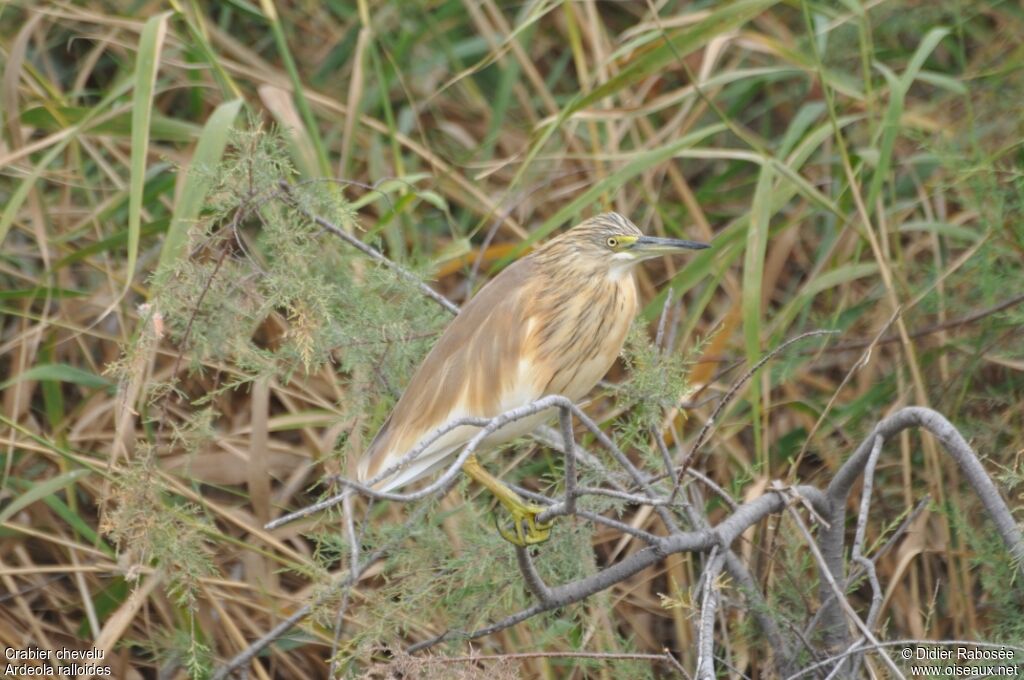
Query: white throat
[622,265]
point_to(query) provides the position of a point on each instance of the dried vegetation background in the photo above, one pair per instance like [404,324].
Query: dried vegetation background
[185,356]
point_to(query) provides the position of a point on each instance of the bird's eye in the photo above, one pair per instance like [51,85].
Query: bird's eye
[612,241]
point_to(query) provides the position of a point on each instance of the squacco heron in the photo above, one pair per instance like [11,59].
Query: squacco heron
[551,323]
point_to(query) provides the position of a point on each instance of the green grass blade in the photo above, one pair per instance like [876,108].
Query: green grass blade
[111,243]
[21,193]
[40,292]
[689,39]
[946,229]
[298,89]
[59,373]
[672,48]
[197,31]
[40,491]
[753,262]
[208,152]
[640,163]
[161,127]
[150,43]
[807,114]
[73,518]
[891,122]
[753,281]
[829,279]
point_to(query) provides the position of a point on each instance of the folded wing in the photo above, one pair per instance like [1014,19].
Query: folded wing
[479,367]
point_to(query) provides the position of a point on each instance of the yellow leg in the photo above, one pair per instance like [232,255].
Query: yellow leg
[523,513]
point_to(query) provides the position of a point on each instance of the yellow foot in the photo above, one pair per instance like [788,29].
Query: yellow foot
[526,530]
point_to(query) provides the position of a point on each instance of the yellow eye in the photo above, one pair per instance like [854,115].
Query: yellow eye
[612,242]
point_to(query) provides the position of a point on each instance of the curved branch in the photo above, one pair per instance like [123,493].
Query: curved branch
[759,606]
[533,579]
[830,505]
[723,535]
[832,537]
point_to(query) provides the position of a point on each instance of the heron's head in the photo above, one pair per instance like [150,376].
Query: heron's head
[611,241]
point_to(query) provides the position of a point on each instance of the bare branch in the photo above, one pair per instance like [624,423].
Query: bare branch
[832,538]
[532,579]
[811,668]
[708,609]
[827,577]
[724,534]
[829,506]
[565,422]
[857,550]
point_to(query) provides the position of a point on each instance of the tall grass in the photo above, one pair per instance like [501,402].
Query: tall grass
[857,166]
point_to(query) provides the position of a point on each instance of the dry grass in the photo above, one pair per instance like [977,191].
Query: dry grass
[867,181]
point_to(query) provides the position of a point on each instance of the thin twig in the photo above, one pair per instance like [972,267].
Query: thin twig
[910,643]
[858,365]
[343,582]
[724,534]
[666,457]
[662,320]
[705,431]
[275,633]
[827,577]
[367,250]
[353,560]
[620,495]
[558,510]
[934,328]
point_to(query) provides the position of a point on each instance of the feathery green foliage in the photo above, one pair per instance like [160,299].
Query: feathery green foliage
[883,144]
[168,535]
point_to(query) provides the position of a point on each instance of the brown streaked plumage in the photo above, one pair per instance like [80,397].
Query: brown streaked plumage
[551,323]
